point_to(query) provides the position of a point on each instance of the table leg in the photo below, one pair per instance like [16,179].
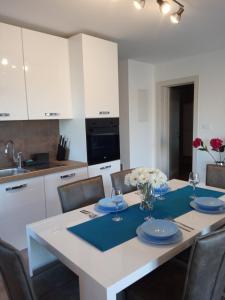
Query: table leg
[38,255]
[90,289]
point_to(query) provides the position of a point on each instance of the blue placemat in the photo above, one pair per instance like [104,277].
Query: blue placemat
[104,234]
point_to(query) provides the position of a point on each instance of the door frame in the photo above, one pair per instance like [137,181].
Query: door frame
[162,131]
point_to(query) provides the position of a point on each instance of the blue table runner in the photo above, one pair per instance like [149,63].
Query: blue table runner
[104,234]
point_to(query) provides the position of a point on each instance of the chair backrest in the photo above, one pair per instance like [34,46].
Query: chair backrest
[206,270]
[13,272]
[81,193]
[215,176]
[119,184]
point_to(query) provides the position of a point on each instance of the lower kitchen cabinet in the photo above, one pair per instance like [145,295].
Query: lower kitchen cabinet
[105,169]
[52,181]
[21,202]
[27,201]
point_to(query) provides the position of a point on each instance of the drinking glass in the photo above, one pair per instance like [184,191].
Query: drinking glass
[194,180]
[116,200]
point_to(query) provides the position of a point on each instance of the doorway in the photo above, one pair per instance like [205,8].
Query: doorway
[172,155]
[181,109]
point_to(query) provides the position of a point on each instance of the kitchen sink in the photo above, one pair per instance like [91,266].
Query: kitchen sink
[12,171]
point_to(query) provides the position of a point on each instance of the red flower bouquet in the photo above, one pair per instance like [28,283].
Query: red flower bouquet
[197,143]
[216,144]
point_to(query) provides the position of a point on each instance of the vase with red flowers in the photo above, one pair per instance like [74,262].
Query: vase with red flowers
[217,145]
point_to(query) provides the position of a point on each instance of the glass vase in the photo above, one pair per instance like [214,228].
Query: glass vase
[147,198]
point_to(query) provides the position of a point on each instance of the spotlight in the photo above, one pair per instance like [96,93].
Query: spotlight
[4,61]
[164,6]
[176,17]
[139,4]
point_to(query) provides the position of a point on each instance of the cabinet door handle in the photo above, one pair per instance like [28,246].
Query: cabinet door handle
[68,176]
[106,167]
[4,114]
[17,187]
[104,112]
[52,114]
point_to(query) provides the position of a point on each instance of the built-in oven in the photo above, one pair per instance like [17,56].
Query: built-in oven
[103,143]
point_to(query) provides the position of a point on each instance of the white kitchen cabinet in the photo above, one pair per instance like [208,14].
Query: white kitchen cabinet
[100,63]
[94,84]
[105,170]
[13,105]
[21,202]
[47,74]
[52,181]
[94,75]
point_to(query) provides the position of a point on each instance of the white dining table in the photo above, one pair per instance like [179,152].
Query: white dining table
[102,275]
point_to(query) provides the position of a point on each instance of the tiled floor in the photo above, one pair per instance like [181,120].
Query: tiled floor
[3,294]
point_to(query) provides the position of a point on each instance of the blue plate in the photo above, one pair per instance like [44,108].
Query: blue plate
[209,203]
[161,190]
[220,210]
[160,229]
[108,202]
[104,210]
[149,240]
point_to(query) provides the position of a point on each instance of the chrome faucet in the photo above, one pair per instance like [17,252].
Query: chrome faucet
[17,158]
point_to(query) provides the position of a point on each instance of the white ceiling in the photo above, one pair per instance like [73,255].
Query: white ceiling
[142,35]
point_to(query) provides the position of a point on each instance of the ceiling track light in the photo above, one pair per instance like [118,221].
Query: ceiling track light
[139,4]
[164,6]
[176,17]
[178,3]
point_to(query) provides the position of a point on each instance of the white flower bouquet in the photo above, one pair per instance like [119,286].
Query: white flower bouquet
[146,179]
[142,176]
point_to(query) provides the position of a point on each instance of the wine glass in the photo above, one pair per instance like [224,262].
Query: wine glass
[161,197]
[150,207]
[116,200]
[194,180]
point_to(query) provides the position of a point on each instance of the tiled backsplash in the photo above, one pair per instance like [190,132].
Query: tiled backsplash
[29,137]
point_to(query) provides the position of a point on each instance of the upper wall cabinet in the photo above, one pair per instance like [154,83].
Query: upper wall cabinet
[12,86]
[47,73]
[94,73]
[100,59]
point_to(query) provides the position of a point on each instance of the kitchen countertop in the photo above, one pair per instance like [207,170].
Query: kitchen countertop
[58,166]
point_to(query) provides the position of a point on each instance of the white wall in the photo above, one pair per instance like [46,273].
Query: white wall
[136,81]
[124,114]
[211,94]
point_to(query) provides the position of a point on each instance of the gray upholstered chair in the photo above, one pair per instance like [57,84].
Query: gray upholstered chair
[81,193]
[53,281]
[118,182]
[203,279]
[215,176]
